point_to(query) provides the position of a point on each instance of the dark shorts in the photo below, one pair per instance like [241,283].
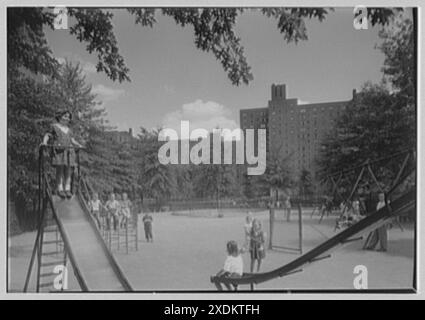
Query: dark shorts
[257,254]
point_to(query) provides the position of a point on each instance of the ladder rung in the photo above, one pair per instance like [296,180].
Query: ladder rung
[51,253]
[47,284]
[47,229]
[53,242]
[49,274]
[53,263]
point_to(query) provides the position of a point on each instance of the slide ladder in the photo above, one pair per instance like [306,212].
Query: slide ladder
[68,227]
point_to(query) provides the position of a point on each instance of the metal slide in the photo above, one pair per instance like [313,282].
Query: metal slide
[94,265]
[402,205]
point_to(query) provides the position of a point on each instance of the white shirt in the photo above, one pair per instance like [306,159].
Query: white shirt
[113,206]
[62,128]
[234,264]
[380,205]
[95,204]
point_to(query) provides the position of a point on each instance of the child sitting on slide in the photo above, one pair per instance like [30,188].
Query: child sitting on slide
[233,266]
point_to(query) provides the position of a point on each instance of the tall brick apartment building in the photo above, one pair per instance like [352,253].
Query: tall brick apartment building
[293,129]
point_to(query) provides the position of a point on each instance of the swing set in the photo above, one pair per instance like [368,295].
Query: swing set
[344,188]
[400,199]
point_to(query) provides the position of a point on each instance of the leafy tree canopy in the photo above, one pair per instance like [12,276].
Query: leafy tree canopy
[213,30]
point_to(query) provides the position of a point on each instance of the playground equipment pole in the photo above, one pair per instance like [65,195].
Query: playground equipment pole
[300,228]
[271,217]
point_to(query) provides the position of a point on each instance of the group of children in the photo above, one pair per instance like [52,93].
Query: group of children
[115,211]
[255,239]
[350,214]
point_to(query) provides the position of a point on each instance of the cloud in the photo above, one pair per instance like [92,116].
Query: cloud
[61,60]
[88,67]
[207,115]
[106,94]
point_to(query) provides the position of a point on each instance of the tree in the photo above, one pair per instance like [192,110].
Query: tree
[398,46]
[155,179]
[278,174]
[111,164]
[213,29]
[183,181]
[305,184]
[380,121]
[29,103]
[32,106]
[373,126]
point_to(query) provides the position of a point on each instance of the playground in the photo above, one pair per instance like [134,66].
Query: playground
[184,181]
[188,246]
[187,250]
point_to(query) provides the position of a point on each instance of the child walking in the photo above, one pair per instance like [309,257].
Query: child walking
[147,223]
[233,265]
[63,154]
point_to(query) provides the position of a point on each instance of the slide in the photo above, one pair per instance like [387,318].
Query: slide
[94,265]
[402,205]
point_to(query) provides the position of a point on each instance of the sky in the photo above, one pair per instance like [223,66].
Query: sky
[171,80]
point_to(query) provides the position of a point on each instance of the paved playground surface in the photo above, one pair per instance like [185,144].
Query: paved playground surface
[187,250]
